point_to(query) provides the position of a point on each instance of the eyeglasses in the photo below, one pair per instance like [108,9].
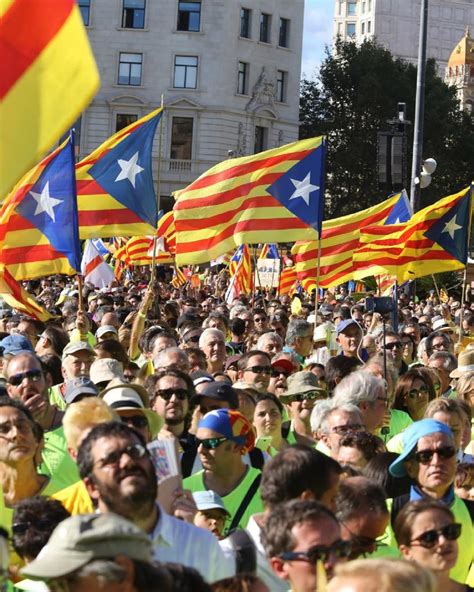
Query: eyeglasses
[425,456]
[418,393]
[361,544]
[340,549]
[40,524]
[439,345]
[259,319]
[134,451]
[276,373]
[428,539]
[347,429]
[33,375]
[394,345]
[259,369]
[137,421]
[307,396]
[166,394]
[211,443]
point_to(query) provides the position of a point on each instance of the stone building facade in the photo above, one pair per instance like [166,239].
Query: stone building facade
[460,71]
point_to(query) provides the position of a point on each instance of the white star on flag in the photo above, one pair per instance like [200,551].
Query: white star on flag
[45,203]
[303,188]
[129,169]
[451,227]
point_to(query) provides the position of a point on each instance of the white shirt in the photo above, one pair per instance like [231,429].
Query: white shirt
[179,542]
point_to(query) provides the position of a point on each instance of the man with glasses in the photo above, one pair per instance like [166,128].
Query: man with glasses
[362,511]
[336,423]
[260,320]
[255,369]
[119,475]
[298,535]
[224,436]
[393,346]
[283,366]
[429,459]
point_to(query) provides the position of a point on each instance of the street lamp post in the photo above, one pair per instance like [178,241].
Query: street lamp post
[419,109]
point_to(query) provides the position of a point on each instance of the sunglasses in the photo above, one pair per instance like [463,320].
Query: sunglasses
[259,369]
[394,345]
[425,456]
[137,421]
[276,373]
[33,375]
[134,451]
[166,394]
[428,539]
[23,527]
[347,429]
[340,549]
[307,397]
[418,393]
[211,443]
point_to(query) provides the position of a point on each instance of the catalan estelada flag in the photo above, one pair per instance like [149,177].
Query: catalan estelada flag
[269,251]
[240,269]
[167,230]
[288,279]
[115,189]
[339,239]
[48,76]
[18,298]
[38,221]
[274,196]
[432,241]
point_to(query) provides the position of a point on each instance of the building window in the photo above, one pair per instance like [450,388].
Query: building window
[185,71]
[351,8]
[133,14]
[181,138]
[242,78]
[265,20]
[260,138]
[85,8]
[245,22]
[339,8]
[281,86]
[123,120]
[130,69]
[362,28]
[283,36]
[339,29]
[189,16]
[369,27]
[370,5]
[351,30]
[363,7]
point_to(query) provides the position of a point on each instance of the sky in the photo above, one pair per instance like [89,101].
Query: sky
[318,17]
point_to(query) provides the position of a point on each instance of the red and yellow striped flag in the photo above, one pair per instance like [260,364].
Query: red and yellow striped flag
[179,279]
[230,205]
[48,76]
[432,241]
[18,298]
[287,280]
[339,239]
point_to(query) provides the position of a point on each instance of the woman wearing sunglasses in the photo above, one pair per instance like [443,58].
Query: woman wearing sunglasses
[427,534]
[413,393]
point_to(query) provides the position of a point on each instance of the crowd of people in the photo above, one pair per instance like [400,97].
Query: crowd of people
[159,438]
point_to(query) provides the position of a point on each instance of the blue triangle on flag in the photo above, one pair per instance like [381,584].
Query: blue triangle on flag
[451,230]
[50,205]
[125,172]
[401,211]
[301,188]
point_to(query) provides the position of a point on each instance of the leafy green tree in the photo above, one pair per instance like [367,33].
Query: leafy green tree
[355,95]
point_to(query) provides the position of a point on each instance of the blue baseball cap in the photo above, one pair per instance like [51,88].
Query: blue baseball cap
[15,344]
[209,500]
[347,323]
[410,438]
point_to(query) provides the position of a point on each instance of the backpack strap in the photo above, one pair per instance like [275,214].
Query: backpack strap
[252,490]
[257,460]
[244,551]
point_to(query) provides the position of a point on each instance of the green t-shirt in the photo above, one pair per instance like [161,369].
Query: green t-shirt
[56,461]
[399,421]
[233,500]
[55,396]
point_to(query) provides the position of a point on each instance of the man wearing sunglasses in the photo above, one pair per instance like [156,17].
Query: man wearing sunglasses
[255,369]
[119,475]
[429,459]
[298,535]
[393,347]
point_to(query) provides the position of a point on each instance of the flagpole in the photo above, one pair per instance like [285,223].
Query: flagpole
[80,287]
[464,281]
[258,278]
[318,273]
[436,287]
[158,196]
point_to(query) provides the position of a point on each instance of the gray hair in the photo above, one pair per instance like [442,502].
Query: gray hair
[208,332]
[262,340]
[297,328]
[161,359]
[236,310]
[450,362]
[320,410]
[421,348]
[347,407]
[357,387]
